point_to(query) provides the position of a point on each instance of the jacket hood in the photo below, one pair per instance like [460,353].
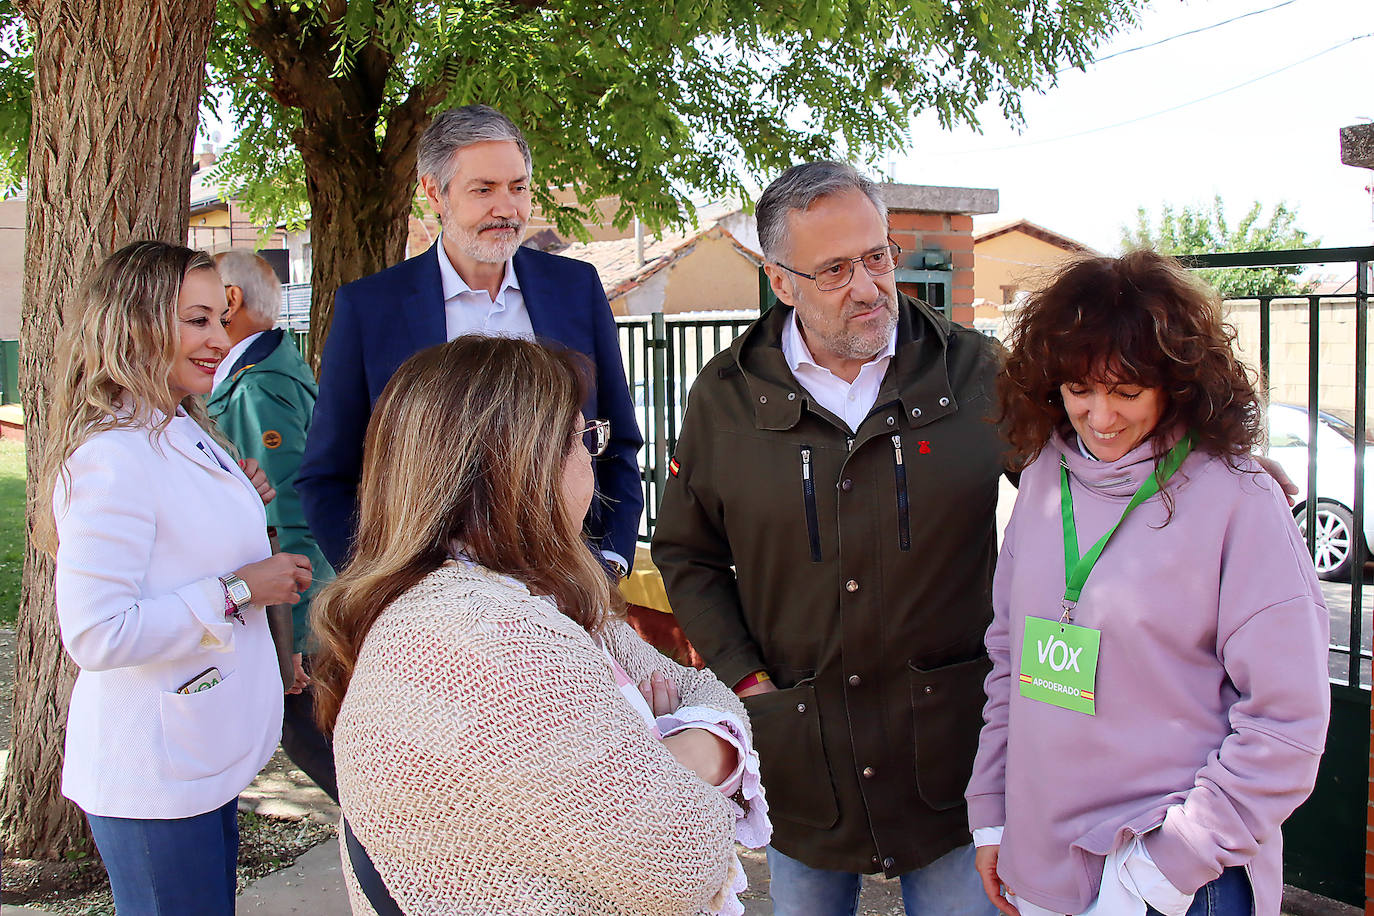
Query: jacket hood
[778,399]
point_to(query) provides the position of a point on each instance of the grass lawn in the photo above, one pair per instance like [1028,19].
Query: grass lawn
[11,529]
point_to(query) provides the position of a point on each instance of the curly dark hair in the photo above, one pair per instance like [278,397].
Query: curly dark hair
[1140,319]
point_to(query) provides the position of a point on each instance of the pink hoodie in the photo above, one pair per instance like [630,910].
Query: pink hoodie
[1212,692]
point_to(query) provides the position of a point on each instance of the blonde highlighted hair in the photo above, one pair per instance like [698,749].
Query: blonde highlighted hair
[114,357]
[466,447]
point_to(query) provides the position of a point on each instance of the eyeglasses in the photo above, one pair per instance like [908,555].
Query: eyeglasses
[836,275]
[596,435]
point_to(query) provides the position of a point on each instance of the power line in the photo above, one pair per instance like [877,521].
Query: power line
[1205,28]
[1163,111]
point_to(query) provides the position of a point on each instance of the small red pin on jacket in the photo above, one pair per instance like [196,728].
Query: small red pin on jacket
[923,447]
[674,467]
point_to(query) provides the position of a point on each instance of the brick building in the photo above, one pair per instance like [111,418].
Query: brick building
[934,226]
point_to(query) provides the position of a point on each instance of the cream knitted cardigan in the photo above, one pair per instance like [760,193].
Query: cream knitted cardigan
[489,764]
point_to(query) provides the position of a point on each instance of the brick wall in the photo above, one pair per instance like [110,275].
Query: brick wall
[917,230]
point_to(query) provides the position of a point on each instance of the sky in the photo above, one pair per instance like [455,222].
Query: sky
[1072,171]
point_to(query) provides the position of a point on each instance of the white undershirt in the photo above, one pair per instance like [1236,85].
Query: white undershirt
[851,402]
[473,311]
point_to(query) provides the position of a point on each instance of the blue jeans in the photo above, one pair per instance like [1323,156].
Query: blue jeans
[949,886]
[171,867]
[1229,895]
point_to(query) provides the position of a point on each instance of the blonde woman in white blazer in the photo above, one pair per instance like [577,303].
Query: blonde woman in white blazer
[163,571]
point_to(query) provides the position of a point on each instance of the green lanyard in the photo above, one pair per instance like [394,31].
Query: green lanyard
[1076,568]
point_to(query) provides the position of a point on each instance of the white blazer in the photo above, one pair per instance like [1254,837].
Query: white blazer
[146,526]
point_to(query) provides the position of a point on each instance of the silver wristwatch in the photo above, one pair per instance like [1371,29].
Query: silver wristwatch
[237,590]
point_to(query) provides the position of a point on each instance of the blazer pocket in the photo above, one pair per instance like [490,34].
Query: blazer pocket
[204,733]
[947,708]
[792,762]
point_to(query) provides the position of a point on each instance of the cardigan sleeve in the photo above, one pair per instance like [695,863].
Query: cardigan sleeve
[106,528]
[695,687]
[510,762]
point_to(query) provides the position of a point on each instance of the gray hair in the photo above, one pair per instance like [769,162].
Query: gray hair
[257,279]
[797,189]
[456,128]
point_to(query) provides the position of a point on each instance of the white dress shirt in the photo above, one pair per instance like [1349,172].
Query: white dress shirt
[473,311]
[850,402]
[237,350]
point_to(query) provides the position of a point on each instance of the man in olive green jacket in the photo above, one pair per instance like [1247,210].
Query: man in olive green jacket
[262,400]
[827,539]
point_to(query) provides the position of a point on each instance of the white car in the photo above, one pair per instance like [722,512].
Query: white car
[1288,440]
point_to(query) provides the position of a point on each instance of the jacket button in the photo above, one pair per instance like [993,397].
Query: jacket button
[944,402]
[854,680]
[891,421]
[801,707]
[889,862]
[869,772]
[915,412]
[846,484]
[928,690]
[851,586]
[791,395]
[875,860]
[763,399]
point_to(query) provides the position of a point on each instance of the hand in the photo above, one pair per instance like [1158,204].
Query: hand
[1275,470]
[710,757]
[258,478]
[660,693]
[760,687]
[302,679]
[279,579]
[985,860]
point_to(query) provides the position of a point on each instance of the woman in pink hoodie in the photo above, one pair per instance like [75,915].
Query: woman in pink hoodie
[1158,700]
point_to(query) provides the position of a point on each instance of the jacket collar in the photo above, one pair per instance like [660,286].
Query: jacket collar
[422,307]
[271,352]
[917,377]
[539,292]
[258,351]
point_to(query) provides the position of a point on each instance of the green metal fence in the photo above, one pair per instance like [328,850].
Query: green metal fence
[9,372]
[662,356]
[1324,840]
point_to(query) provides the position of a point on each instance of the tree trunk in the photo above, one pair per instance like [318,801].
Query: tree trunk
[360,179]
[116,89]
[359,217]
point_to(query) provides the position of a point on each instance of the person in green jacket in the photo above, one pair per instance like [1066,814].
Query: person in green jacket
[262,400]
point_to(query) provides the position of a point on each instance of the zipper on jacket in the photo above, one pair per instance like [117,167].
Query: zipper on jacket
[903,517]
[813,530]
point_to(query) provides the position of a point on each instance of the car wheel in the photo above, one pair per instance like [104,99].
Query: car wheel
[1333,547]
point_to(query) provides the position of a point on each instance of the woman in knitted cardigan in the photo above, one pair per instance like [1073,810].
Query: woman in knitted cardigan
[505,742]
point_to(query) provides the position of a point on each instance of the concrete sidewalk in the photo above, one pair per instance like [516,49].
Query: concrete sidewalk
[313,884]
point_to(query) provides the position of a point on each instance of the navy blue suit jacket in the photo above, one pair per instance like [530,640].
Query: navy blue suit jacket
[382,320]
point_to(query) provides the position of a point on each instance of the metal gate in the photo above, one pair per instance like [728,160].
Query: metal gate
[1324,840]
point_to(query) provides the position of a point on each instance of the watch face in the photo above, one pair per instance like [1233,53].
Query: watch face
[239,592]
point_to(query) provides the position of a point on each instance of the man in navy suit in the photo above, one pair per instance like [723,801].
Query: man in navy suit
[474,168]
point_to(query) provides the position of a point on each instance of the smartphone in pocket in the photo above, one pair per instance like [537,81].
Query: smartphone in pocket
[203,681]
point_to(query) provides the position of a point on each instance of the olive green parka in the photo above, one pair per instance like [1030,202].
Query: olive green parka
[856,569]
